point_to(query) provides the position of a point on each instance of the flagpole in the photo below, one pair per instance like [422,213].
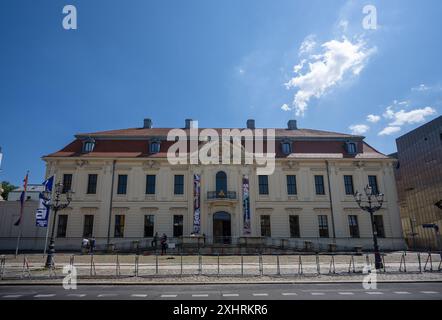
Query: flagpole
[21,212]
[47,220]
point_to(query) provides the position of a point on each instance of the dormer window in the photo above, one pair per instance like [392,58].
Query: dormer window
[351,148]
[286,147]
[88,145]
[154,147]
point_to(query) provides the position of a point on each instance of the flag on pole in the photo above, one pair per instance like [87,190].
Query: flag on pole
[42,214]
[22,199]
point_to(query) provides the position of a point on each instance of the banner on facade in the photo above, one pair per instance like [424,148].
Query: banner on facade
[246,205]
[196,203]
[42,213]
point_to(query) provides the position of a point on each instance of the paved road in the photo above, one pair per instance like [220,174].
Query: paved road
[345,291]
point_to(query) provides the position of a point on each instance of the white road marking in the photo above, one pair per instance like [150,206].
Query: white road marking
[429,292]
[317,293]
[12,296]
[402,292]
[374,292]
[139,295]
[106,295]
[260,294]
[289,294]
[346,293]
[80,295]
[230,295]
[168,295]
[200,295]
[44,295]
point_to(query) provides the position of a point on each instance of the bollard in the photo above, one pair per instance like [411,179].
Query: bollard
[25,268]
[352,264]
[156,262]
[92,269]
[218,263]
[332,265]
[383,261]
[429,258]
[419,261]
[71,260]
[181,262]
[261,267]
[403,262]
[278,269]
[136,265]
[2,266]
[318,268]
[300,271]
[117,267]
[242,266]
[200,264]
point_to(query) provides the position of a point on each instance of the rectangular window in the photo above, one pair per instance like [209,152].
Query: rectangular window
[122,184]
[294,226]
[148,225]
[88,226]
[92,184]
[291,185]
[177,225]
[265,226]
[353,226]
[67,182]
[178,187]
[319,184]
[263,184]
[62,225]
[373,182]
[348,182]
[150,184]
[323,226]
[379,223]
[119,226]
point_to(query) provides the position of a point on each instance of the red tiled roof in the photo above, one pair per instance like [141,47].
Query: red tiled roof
[132,143]
[145,132]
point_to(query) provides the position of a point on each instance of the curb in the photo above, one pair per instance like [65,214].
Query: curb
[130,283]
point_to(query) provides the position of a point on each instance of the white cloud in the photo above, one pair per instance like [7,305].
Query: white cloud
[359,128]
[326,70]
[389,130]
[285,107]
[402,117]
[307,45]
[373,118]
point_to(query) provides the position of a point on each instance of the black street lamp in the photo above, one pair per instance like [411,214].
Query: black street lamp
[371,208]
[55,206]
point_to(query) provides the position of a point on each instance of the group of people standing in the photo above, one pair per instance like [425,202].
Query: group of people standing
[163,243]
[88,245]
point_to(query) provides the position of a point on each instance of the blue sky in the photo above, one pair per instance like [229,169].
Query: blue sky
[220,62]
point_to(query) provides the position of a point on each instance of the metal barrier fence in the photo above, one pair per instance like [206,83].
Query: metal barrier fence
[302,264]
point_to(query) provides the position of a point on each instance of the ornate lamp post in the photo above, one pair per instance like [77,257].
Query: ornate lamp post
[369,205]
[55,206]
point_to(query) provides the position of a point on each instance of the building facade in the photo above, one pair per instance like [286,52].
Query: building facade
[126,189]
[419,183]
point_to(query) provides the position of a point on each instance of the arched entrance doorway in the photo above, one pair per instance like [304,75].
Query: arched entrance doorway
[221,227]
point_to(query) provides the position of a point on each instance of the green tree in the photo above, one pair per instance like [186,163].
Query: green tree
[7,187]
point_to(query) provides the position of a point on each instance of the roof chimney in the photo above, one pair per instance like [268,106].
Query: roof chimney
[188,123]
[291,125]
[147,123]
[250,124]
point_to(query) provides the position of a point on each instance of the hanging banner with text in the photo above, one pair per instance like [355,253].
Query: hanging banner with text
[196,203]
[246,205]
